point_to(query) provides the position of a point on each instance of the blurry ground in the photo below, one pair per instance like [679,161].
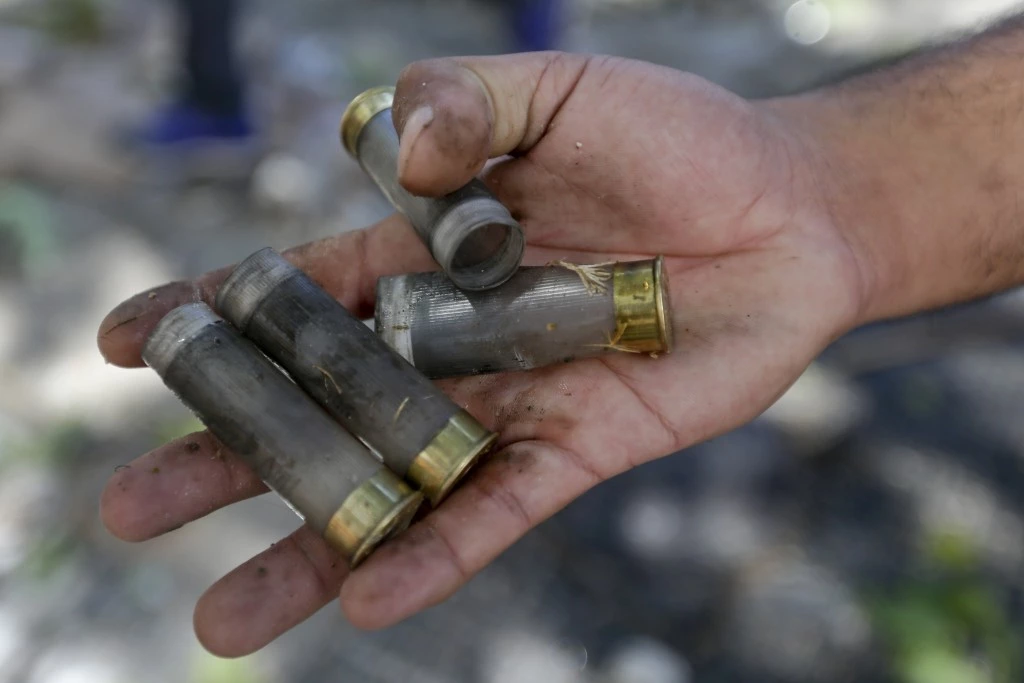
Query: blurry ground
[869,528]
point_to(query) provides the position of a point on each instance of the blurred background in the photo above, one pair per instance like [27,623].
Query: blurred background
[869,527]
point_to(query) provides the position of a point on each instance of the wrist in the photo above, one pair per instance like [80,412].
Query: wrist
[847,194]
[919,168]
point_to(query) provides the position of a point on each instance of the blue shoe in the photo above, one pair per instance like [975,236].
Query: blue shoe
[182,143]
[182,124]
[537,25]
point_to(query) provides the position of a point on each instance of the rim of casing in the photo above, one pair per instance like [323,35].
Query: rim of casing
[379,508]
[663,303]
[360,110]
[642,308]
[248,285]
[459,224]
[450,456]
[179,326]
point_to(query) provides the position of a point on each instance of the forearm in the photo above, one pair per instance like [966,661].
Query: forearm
[923,170]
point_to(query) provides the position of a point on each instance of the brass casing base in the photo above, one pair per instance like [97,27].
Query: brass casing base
[380,508]
[360,110]
[452,453]
[642,307]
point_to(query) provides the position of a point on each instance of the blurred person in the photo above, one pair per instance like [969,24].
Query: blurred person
[537,24]
[785,223]
[210,104]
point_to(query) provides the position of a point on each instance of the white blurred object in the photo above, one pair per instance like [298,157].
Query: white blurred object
[521,657]
[978,12]
[730,531]
[82,663]
[819,409]
[714,530]
[301,179]
[284,182]
[651,525]
[881,27]
[807,21]
[645,660]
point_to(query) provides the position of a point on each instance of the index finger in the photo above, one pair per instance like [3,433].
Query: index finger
[346,265]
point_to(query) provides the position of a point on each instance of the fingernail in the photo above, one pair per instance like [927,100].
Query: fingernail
[414,126]
[132,309]
[122,332]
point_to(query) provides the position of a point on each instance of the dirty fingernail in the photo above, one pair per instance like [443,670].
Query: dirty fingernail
[123,330]
[414,126]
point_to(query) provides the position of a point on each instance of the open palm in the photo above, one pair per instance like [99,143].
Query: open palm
[600,159]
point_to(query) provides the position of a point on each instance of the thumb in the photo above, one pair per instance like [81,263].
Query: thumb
[453,114]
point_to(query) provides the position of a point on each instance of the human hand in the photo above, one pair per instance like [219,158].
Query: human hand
[600,159]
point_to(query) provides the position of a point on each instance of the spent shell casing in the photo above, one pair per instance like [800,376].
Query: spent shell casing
[327,476]
[470,234]
[544,315]
[420,433]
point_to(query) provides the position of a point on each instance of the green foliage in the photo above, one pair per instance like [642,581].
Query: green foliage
[209,669]
[949,627]
[939,666]
[169,430]
[55,448]
[952,552]
[47,557]
[70,21]
[25,219]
